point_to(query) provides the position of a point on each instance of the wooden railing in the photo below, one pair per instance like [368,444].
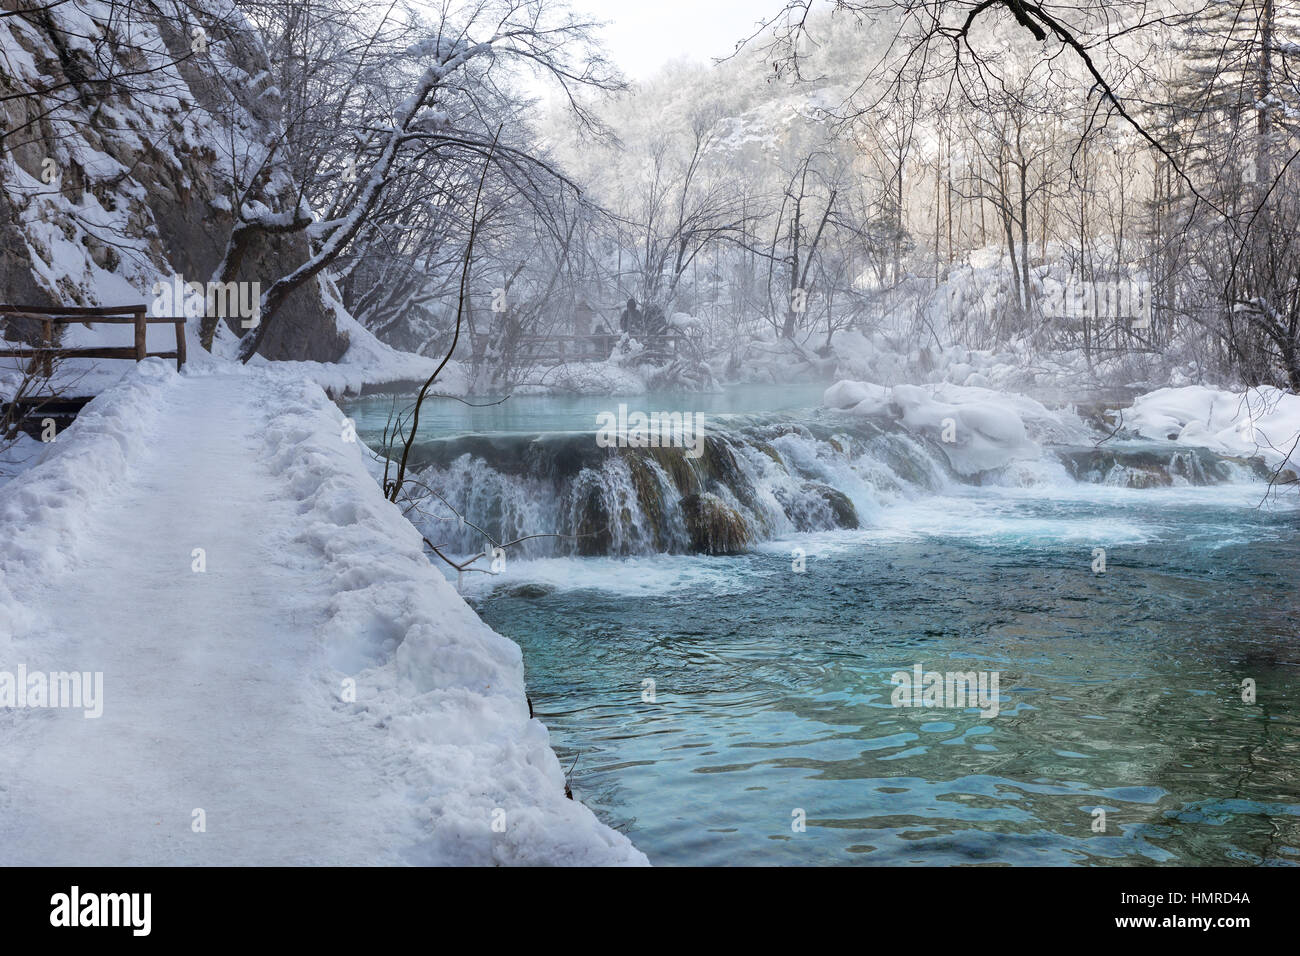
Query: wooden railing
[135,315]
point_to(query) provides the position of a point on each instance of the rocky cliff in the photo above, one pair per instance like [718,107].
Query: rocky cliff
[128,130]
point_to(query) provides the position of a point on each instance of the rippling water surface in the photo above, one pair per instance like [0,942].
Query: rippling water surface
[1119,690]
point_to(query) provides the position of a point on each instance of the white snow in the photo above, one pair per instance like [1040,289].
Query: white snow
[224,690]
[989,429]
[978,429]
[863,398]
[1257,421]
[368,361]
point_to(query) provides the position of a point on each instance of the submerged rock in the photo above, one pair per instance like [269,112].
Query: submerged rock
[529,591]
[1151,465]
[1135,477]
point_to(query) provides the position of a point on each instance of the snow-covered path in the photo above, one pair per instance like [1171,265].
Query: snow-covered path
[226,690]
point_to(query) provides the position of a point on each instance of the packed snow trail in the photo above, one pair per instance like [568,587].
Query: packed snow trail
[228,735]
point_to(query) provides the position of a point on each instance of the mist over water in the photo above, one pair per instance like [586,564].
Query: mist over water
[772,688]
[532,415]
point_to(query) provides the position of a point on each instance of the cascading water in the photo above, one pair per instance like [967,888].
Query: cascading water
[757,478]
[855,551]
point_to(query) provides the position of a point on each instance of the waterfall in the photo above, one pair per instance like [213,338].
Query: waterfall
[758,478]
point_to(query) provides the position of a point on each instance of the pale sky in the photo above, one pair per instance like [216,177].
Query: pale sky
[645,34]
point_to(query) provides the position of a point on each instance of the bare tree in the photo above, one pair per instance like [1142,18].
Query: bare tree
[421,128]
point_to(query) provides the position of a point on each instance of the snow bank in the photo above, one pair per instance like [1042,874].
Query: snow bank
[433,760]
[862,398]
[446,688]
[982,430]
[371,363]
[1256,422]
[46,508]
[19,454]
[978,429]
[366,362]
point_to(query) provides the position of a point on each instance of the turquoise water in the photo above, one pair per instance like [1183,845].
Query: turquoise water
[1119,690]
[535,414]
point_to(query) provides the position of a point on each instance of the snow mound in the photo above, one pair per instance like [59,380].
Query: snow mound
[1261,422]
[368,361]
[977,433]
[862,398]
[979,430]
[449,689]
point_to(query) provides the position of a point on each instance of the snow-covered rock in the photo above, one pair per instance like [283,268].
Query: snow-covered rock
[1257,421]
[863,398]
[978,429]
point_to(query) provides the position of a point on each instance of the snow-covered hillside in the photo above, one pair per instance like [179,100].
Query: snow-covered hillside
[128,181]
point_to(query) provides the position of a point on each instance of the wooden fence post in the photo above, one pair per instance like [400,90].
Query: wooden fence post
[180,344]
[140,335]
[47,360]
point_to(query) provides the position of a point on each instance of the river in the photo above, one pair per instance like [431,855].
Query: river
[739,707]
